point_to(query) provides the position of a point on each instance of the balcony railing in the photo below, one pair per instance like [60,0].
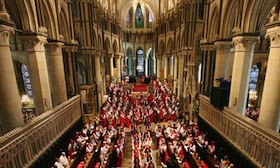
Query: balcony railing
[22,146]
[260,144]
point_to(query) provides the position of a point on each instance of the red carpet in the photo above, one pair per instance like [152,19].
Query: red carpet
[140,88]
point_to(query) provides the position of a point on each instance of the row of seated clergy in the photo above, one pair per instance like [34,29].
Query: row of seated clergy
[105,156]
[62,161]
[176,148]
[142,147]
[77,151]
[114,156]
[85,142]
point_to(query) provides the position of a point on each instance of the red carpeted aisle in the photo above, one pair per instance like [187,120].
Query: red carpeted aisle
[140,88]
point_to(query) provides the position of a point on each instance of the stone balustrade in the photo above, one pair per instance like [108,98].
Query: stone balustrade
[260,144]
[22,146]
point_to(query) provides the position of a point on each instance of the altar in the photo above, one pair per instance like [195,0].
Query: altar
[138,89]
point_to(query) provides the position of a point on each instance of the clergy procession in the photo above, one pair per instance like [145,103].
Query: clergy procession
[121,108]
[158,137]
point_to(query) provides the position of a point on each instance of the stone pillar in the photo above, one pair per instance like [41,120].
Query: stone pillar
[111,63]
[56,70]
[10,106]
[166,66]
[175,72]
[270,109]
[134,66]
[180,74]
[88,53]
[70,76]
[223,60]
[159,61]
[34,44]
[243,56]
[203,71]
[98,78]
[74,49]
[208,68]
[118,66]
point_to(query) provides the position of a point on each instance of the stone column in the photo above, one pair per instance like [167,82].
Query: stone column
[166,66]
[134,66]
[175,70]
[180,74]
[207,84]
[203,71]
[88,53]
[34,44]
[10,106]
[159,61]
[74,49]
[98,78]
[70,77]
[56,70]
[243,56]
[111,64]
[223,60]
[270,109]
[118,66]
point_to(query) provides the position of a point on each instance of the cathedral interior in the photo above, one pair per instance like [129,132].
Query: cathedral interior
[59,57]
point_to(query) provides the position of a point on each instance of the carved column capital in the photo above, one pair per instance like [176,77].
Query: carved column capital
[71,48]
[119,55]
[55,47]
[167,55]
[222,46]
[273,33]
[97,53]
[5,32]
[109,55]
[34,42]
[244,43]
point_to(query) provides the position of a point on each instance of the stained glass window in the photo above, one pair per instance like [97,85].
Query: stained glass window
[139,21]
[253,78]
[26,80]
[140,62]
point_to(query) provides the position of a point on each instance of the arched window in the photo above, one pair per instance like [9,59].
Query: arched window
[26,80]
[140,62]
[130,63]
[128,17]
[150,18]
[253,78]
[150,62]
[253,95]
[81,73]
[139,20]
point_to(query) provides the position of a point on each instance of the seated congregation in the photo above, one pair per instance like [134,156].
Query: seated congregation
[158,137]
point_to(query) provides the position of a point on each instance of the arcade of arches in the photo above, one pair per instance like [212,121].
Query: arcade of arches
[52,51]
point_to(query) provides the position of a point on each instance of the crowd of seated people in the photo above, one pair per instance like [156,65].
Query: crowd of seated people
[93,138]
[252,113]
[62,161]
[120,107]
[142,155]
[183,140]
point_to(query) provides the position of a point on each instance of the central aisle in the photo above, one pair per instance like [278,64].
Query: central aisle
[128,151]
[127,158]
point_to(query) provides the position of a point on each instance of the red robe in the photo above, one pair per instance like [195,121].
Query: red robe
[119,160]
[127,120]
[173,116]
[122,120]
